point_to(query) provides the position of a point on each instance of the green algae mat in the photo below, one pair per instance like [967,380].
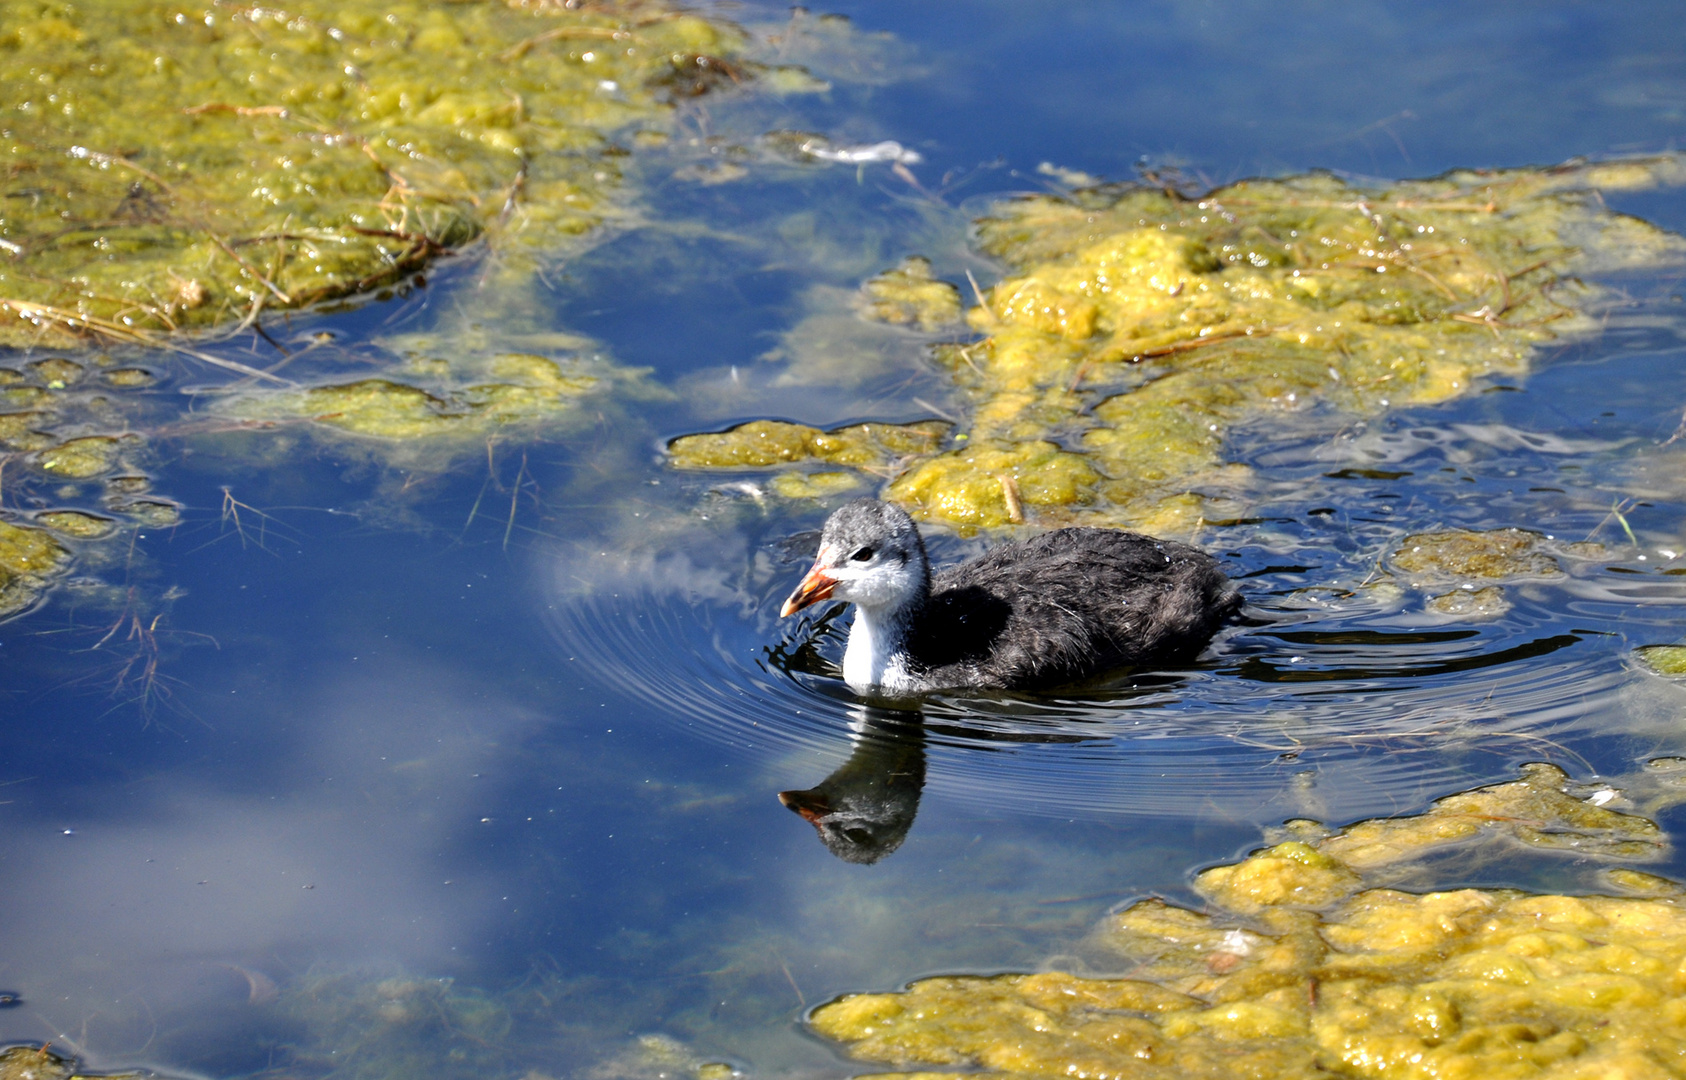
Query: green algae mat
[1305,964]
[1136,328]
[173,167]
[176,172]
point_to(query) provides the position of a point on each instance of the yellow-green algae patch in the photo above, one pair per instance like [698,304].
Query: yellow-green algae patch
[815,485]
[1471,603]
[475,396]
[45,1063]
[57,372]
[29,560]
[909,295]
[130,378]
[1136,329]
[1664,659]
[171,167]
[766,443]
[1472,553]
[151,512]
[77,524]
[81,458]
[660,1057]
[1266,297]
[18,431]
[1300,971]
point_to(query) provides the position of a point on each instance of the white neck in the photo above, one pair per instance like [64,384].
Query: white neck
[877,654]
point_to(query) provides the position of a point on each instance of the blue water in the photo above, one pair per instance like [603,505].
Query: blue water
[420,736]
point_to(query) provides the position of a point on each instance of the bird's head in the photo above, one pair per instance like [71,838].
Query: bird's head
[870,555]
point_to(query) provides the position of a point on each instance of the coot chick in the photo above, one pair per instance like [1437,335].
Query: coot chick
[1059,608]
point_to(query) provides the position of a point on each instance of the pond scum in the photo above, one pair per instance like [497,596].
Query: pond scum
[1136,327]
[175,168]
[1298,969]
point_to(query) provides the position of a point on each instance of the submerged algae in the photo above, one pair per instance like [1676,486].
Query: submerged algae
[1308,973]
[173,169]
[530,388]
[365,1025]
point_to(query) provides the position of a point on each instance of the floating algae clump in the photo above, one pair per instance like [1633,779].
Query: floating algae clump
[1470,558]
[815,485]
[1664,659]
[1468,553]
[76,523]
[80,458]
[1488,603]
[17,431]
[173,167]
[909,296]
[469,398]
[764,443]
[30,1063]
[29,559]
[1136,328]
[1310,974]
[1140,327]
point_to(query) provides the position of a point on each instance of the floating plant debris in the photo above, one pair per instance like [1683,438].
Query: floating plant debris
[174,168]
[1302,970]
[1136,328]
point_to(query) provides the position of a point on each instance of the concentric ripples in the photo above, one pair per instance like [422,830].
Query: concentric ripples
[1337,711]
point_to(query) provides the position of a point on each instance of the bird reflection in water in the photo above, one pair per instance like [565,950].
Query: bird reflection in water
[864,810]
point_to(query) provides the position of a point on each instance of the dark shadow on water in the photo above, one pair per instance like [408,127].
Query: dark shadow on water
[863,811]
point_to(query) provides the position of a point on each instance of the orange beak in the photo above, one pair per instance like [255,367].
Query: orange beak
[815,586]
[810,804]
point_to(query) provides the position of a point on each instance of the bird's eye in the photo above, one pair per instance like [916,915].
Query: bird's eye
[862,554]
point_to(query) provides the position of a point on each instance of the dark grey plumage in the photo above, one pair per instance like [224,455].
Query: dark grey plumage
[1059,608]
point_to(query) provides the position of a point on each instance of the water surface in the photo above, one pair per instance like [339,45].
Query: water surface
[521,725]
